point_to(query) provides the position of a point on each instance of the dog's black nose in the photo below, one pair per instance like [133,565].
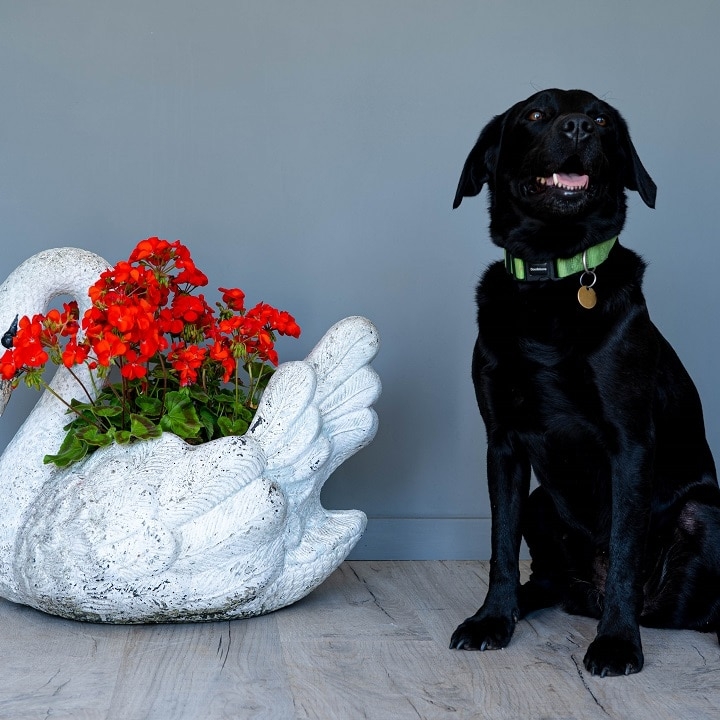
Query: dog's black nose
[577,127]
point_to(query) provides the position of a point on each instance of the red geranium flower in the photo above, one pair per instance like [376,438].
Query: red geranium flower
[186,361]
[221,353]
[74,354]
[188,308]
[8,370]
[234,298]
[132,367]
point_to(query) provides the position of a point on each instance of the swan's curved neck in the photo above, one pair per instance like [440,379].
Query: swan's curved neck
[28,291]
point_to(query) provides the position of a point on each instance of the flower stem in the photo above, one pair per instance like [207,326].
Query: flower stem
[80,383]
[94,420]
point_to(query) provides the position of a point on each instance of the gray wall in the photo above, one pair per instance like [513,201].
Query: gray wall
[309,152]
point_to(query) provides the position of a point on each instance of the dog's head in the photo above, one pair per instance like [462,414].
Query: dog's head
[557,166]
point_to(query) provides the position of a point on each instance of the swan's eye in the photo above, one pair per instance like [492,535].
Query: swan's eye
[9,336]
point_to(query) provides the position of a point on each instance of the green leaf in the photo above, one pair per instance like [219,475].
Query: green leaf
[243,412]
[93,436]
[142,428]
[106,411]
[208,420]
[232,427]
[148,405]
[198,395]
[180,416]
[77,405]
[122,437]
[71,450]
[224,397]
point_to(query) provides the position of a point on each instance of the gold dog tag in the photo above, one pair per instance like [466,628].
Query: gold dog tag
[587,297]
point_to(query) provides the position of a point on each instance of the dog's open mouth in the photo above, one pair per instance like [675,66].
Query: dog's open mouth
[566,191]
[566,186]
[571,182]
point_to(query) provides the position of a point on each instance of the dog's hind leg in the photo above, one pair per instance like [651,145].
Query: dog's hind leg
[682,589]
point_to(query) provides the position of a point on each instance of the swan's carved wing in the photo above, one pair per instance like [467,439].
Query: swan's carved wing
[157,523]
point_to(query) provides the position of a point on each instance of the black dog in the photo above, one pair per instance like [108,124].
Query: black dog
[575,383]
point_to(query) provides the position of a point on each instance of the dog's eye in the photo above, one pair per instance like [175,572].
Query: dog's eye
[601,120]
[535,115]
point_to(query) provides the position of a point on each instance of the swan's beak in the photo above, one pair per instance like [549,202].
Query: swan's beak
[5,393]
[6,385]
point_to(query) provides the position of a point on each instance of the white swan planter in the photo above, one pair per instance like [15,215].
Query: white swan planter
[161,531]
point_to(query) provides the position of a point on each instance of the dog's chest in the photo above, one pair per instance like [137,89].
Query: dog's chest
[544,391]
[540,363]
[544,387]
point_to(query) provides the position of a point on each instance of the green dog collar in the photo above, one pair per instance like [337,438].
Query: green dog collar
[560,267]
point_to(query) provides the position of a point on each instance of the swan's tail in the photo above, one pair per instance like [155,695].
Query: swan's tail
[347,386]
[316,413]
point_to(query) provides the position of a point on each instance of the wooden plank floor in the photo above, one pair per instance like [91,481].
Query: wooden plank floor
[371,642]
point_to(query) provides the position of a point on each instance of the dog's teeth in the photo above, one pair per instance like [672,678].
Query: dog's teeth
[556,181]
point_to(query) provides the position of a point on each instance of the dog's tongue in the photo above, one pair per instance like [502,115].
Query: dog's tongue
[571,181]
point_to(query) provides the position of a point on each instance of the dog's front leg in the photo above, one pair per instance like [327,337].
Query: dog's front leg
[617,649]
[493,624]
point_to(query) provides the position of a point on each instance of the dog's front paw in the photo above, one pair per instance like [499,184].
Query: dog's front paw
[483,633]
[612,655]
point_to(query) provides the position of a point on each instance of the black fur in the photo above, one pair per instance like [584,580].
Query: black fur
[625,523]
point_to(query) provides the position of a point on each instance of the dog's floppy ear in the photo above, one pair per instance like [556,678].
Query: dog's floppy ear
[480,163]
[636,176]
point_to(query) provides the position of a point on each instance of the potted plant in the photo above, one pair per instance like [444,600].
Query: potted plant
[172,468]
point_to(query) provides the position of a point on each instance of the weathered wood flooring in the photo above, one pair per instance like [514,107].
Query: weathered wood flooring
[371,642]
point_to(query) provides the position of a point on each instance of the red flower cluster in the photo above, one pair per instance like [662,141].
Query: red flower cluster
[142,308]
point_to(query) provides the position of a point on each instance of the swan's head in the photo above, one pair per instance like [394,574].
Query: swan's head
[32,285]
